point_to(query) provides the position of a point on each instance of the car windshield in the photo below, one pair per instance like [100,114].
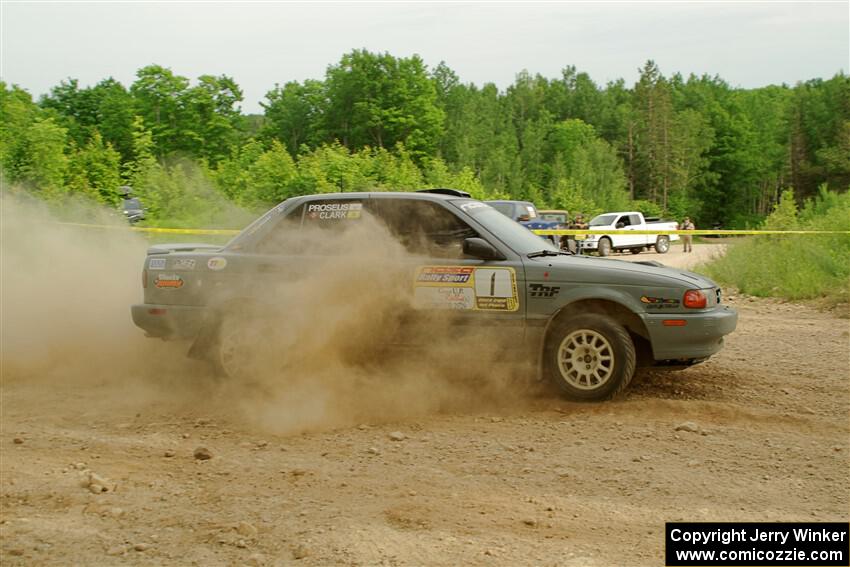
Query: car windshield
[506,209]
[603,220]
[516,236]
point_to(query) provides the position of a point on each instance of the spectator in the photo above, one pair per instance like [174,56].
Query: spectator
[687,238]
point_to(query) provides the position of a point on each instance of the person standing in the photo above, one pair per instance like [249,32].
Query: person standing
[687,238]
[572,241]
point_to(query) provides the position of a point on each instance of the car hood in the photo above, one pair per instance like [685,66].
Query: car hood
[607,271]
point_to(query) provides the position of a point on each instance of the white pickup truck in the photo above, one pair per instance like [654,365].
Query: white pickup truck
[620,234]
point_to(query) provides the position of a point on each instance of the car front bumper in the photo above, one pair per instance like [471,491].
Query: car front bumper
[700,337]
[169,321]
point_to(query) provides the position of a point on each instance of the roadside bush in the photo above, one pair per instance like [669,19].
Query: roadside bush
[794,266]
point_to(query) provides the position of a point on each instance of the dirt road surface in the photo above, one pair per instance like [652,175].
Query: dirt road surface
[101,467]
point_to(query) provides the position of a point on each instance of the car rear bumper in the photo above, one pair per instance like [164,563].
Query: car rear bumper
[169,321]
[699,337]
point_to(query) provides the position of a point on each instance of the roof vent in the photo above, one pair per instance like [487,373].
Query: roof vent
[443,191]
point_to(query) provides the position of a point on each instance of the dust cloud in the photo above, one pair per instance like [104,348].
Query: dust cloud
[65,296]
[313,344]
[335,344]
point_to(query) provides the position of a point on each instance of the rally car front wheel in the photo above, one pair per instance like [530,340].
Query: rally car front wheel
[589,357]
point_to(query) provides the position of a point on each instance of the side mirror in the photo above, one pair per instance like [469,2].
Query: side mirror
[621,225]
[480,248]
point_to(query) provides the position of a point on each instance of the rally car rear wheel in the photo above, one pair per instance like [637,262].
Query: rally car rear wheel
[590,357]
[242,345]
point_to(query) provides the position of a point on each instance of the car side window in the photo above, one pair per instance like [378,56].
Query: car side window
[635,220]
[311,227]
[624,220]
[424,227]
[281,237]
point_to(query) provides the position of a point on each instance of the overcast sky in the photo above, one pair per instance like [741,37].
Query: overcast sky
[259,44]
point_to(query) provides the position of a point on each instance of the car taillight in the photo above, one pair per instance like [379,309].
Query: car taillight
[695,299]
[144,278]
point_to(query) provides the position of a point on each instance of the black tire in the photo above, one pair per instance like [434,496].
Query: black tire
[242,343]
[604,246]
[636,250]
[603,336]
[662,244]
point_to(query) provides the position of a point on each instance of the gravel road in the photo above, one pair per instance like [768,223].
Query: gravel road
[107,461]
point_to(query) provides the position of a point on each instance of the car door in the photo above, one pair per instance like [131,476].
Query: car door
[302,240]
[637,224]
[468,293]
[627,238]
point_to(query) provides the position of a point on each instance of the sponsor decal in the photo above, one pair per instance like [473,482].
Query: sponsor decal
[540,290]
[659,302]
[168,281]
[183,264]
[459,298]
[156,264]
[334,211]
[473,205]
[217,264]
[444,274]
[465,288]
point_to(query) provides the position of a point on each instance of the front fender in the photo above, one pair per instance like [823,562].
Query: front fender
[539,327]
[613,293]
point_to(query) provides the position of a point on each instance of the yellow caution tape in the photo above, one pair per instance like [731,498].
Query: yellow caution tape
[559,232]
[202,231]
[541,232]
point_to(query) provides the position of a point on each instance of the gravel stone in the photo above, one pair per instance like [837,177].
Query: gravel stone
[246,529]
[688,426]
[202,454]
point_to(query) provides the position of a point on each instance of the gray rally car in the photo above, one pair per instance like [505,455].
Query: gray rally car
[588,323]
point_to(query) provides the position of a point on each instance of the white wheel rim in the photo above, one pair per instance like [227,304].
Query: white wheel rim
[663,244]
[586,359]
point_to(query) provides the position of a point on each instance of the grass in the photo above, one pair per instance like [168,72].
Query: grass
[793,267]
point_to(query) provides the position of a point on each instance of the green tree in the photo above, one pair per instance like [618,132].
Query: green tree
[95,170]
[158,94]
[42,162]
[380,100]
[653,135]
[295,113]
[17,114]
[271,178]
[586,170]
[212,117]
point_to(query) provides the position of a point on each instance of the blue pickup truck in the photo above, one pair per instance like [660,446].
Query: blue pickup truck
[526,214]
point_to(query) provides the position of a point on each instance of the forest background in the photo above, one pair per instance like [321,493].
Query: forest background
[671,146]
